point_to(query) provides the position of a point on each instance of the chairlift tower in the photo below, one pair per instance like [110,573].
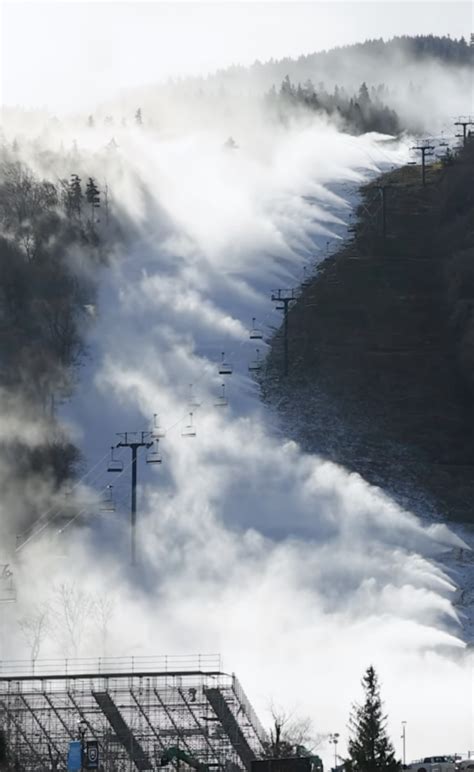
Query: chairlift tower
[426,151]
[285,297]
[134,441]
[464,123]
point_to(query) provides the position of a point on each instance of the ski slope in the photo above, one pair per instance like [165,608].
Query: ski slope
[299,573]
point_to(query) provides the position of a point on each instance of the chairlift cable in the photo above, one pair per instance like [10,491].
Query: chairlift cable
[39,531]
[55,507]
[83,511]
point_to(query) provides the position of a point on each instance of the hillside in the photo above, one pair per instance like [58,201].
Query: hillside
[404,78]
[363,57]
[381,343]
[50,256]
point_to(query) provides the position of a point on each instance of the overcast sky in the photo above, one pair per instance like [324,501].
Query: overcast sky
[68,54]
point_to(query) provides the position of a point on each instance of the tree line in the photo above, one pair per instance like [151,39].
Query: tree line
[358,113]
[109,120]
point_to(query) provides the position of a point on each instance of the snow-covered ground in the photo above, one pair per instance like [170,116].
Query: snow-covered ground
[299,573]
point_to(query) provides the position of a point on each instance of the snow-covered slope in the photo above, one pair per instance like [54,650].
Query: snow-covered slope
[297,572]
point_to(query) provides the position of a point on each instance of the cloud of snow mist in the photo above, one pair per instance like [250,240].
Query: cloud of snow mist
[299,573]
[426,93]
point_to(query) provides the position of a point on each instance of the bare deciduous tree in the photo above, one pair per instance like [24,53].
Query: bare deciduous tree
[291,735]
[71,613]
[104,609]
[34,628]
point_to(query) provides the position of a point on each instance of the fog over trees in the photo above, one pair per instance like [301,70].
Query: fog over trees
[359,113]
[45,299]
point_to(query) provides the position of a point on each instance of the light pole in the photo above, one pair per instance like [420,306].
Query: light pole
[403,736]
[334,738]
[82,726]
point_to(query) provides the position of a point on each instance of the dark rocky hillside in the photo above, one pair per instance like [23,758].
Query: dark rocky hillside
[382,343]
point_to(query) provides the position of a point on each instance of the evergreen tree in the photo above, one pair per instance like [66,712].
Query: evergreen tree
[74,196]
[139,117]
[308,88]
[90,122]
[370,749]
[363,100]
[287,90]
[92,196]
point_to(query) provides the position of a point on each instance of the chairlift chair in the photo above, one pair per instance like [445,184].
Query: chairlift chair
[221,400]
[157,432]
[115,464]
[108,502]
[225,368]
[255,333]
[255,364]
[189,430]
[193,401]
[154,456]
[7,585]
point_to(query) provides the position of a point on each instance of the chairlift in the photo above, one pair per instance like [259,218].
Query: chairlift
[443,144]
[255,364]
[222,400]
[108,502]
[189,430]
[255,333]
[157,432]
[7,584]
[115,464]
[225,368]
[192,402]
[154,456]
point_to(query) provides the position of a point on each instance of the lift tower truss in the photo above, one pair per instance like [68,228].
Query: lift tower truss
[464,123]
[426,151]
[286,297]
[134,441]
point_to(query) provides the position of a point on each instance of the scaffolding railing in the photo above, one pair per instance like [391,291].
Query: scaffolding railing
[105,665]
[249,711]
[137,712]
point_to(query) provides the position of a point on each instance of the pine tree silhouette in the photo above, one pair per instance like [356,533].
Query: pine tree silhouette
[370,749]
[92,196]
[75,195]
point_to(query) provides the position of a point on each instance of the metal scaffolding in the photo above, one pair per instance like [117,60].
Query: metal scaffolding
[136,713]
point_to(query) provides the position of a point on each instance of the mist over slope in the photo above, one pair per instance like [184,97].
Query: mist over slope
[381,348]
[425,79]
[284,561]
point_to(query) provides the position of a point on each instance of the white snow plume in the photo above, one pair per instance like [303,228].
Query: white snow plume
[299,573]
